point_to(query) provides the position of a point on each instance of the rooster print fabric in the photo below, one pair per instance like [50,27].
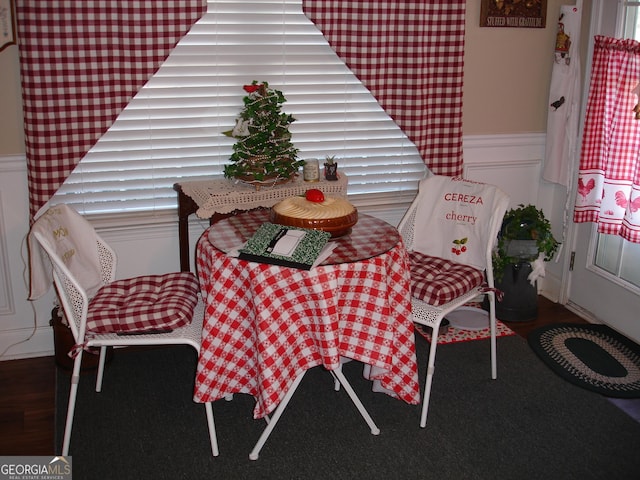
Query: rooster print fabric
[608,190]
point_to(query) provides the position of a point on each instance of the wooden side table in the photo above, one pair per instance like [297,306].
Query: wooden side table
[219,198]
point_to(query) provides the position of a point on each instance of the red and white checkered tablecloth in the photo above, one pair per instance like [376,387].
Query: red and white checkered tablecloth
[266,324]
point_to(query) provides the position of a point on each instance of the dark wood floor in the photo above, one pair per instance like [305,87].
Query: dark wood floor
[27,399]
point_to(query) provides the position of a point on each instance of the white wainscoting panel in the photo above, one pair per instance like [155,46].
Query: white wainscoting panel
[512,162]
[6,293]
[24,325]
[150,245]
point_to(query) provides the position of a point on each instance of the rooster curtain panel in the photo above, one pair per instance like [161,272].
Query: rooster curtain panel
[609,175]
[82,61]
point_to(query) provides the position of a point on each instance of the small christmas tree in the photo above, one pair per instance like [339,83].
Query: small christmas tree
[264,151]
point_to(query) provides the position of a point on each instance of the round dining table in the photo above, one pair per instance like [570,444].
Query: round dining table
[265,325]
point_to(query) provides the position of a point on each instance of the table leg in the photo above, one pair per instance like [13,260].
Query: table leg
[337,373]
[271,423]
[274,419]
[186,207]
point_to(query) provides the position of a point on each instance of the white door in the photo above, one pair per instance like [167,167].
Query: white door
[605,280]
[602,281]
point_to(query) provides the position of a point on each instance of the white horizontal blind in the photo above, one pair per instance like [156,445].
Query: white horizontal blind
[172,130]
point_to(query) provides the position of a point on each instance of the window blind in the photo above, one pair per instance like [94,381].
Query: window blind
[171,131]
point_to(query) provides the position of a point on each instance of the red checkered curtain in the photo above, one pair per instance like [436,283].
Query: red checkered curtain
[81,62]
[410,55]
[609,175]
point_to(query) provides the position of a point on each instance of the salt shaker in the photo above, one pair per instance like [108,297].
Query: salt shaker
[311,170]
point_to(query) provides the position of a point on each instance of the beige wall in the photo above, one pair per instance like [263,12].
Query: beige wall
[507,72]
[11,132]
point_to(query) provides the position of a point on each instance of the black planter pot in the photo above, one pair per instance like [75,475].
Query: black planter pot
[331,171]
[520,301]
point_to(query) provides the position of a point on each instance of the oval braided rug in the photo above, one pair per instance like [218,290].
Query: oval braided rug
[594,357]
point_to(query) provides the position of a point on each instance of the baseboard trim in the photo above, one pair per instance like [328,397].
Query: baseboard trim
[25,343]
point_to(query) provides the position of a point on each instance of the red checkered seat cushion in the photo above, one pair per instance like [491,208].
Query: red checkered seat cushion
[437,281]
[152,302]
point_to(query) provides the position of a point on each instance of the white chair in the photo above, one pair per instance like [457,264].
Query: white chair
[450,231]
[103,312]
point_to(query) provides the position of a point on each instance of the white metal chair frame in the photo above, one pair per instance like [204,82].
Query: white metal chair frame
[431,316]
[74,302]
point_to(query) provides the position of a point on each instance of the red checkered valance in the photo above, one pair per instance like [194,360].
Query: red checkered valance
[609,176]
[81,62]
[410,55]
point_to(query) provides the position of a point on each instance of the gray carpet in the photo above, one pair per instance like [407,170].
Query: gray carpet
[528,424]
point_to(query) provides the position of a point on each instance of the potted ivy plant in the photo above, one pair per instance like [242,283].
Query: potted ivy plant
[524,237]
[263,153]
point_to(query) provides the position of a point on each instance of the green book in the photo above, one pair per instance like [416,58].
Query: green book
[287,246]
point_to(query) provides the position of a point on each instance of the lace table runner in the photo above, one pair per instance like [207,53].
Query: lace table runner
[224,196]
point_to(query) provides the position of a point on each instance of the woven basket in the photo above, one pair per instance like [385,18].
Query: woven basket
[266,182]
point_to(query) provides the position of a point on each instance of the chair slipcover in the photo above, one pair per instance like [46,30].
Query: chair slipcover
[454,219]
[64,230]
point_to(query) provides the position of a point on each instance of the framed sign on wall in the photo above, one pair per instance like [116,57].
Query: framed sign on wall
[513,13]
